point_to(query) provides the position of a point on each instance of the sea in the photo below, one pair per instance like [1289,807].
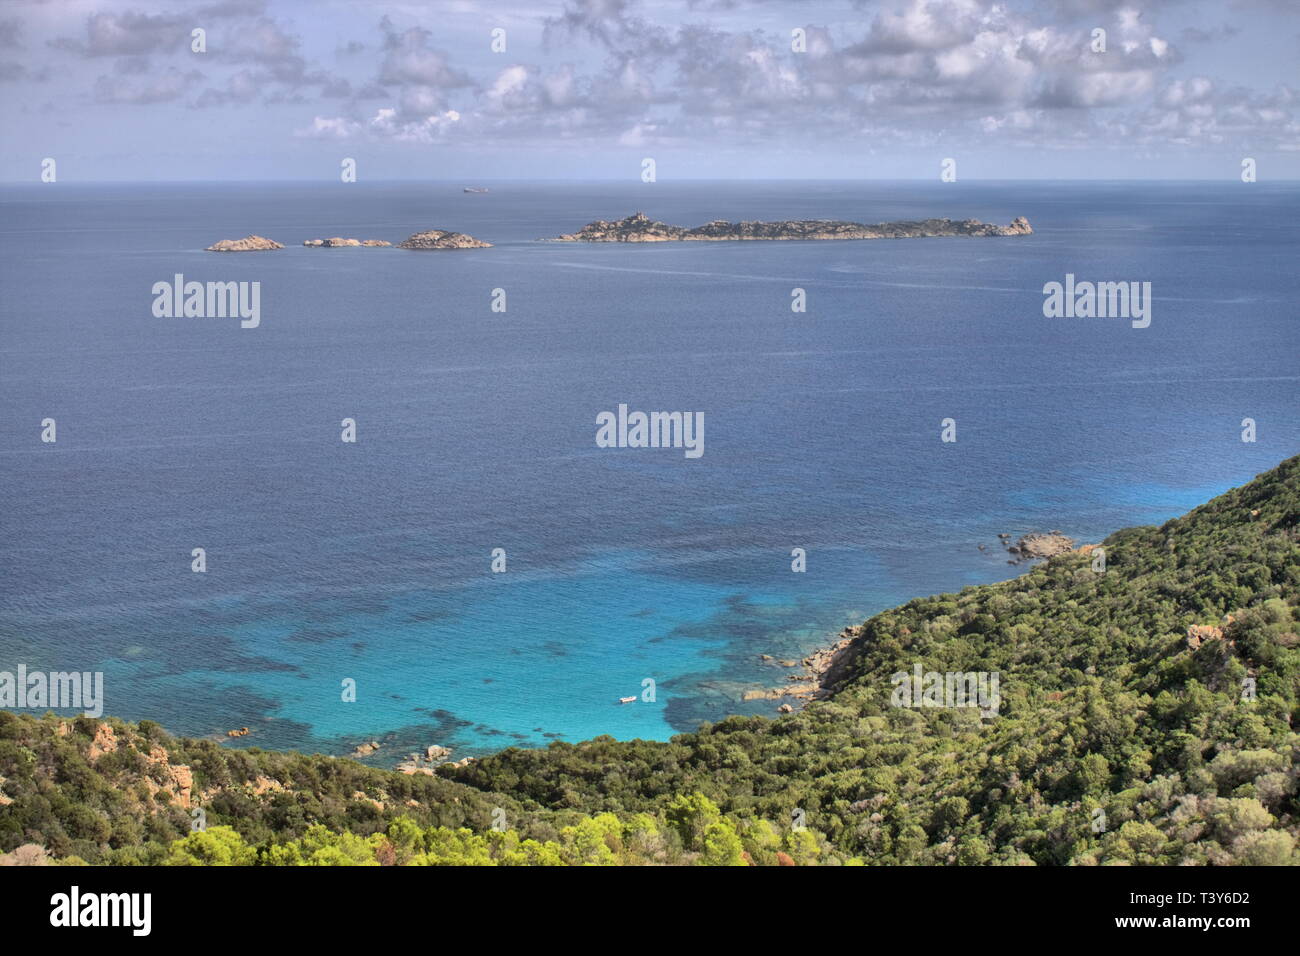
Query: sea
[349,591]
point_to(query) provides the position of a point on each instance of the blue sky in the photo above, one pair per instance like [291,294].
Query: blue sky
[708,88]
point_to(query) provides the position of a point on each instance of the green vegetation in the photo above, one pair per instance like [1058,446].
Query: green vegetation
[109,792]
[696,834]
[1119,739]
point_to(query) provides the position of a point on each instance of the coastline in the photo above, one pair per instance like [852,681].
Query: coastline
[826,666]
[822,669]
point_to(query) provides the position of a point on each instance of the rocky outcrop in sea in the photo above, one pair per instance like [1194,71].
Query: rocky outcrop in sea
[442,239]
[335,242]
[247,244]
[639,227]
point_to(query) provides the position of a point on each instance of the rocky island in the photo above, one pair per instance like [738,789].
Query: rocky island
[442,239]
[335,242]
[639,227]
[247,244]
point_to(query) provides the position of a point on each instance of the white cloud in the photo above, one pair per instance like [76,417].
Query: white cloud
[387,124]
[323,127]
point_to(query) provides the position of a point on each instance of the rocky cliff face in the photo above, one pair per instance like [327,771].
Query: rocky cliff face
[247,244]
[173,779]
[442,239]
[641,228]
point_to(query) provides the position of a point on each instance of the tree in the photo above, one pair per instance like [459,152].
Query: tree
[215,846]
[722,846]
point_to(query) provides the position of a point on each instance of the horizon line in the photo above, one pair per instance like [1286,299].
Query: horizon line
[634,180]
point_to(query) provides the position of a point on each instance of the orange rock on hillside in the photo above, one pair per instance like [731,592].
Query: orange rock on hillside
[1197,634]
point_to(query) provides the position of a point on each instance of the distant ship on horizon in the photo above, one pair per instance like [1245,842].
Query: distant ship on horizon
[474,189]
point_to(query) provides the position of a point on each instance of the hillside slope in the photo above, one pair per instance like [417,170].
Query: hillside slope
[1105,705]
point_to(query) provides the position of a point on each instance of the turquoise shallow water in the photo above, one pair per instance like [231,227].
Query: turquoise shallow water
[371,561]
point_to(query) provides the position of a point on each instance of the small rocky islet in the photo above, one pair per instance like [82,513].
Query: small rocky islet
[442,239]
[428,239]
[247,244]
[336,242]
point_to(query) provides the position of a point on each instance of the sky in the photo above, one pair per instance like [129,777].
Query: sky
[710,89]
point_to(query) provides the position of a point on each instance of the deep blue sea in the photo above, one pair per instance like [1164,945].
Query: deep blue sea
[476,430]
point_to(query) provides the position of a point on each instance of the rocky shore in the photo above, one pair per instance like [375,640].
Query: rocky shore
[822,670]
[421,763]
[425,762]
[639,227]
[1035,546]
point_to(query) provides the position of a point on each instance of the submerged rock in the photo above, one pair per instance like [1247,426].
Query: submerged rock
[442,239]
[639,227]
[247,244]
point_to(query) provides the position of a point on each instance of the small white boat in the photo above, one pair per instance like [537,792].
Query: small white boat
[627,700]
